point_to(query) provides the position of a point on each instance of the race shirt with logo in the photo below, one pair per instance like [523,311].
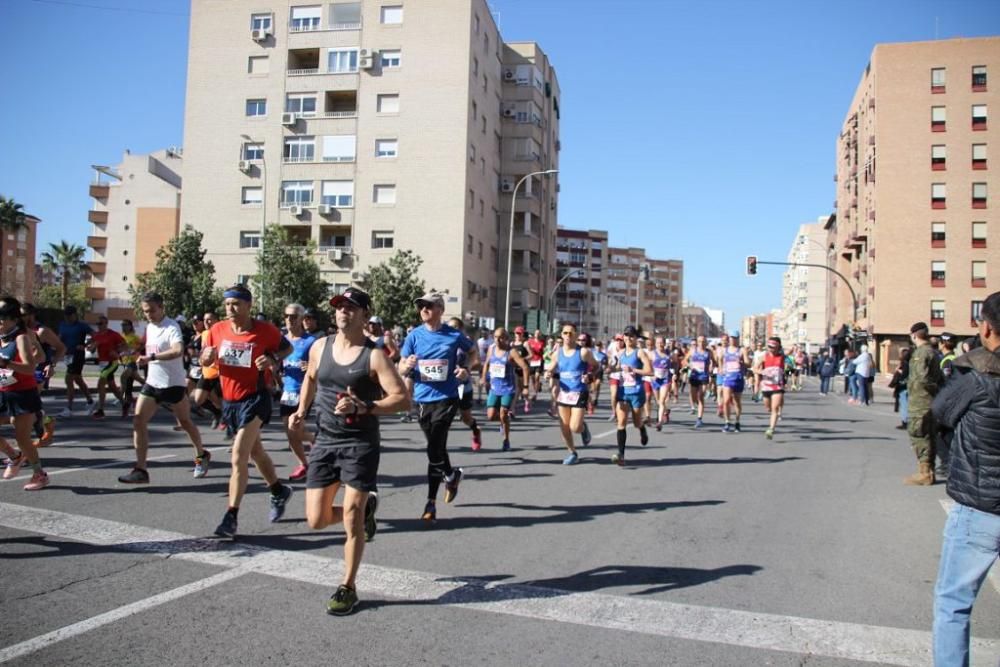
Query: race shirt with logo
[11,380]
[237,355]
[437,359]
[699,365]
[536,348]
[292,368]
[773,374]
[630,379]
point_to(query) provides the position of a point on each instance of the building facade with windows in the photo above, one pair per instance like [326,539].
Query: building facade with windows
[917,228]
[652,289]
[370,127]
[136,210]
[17,260]
[805,289]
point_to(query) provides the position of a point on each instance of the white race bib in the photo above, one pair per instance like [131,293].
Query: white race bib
[733,366]
[233,353]
[535,363]
[628,378]
[659,373]
[290,398]
[498,370]
[7,377]
[195,372]
[698,366]
[433,370]
[568,397]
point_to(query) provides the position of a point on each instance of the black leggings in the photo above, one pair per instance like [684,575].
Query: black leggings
[435,421]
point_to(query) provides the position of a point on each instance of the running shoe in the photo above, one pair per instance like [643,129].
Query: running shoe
[736,428]
[65,413]
[298,473]
[693,411]
[726,428]
[551,412]
[643,436]
[136,476]
[451,486]
[201,464]
[527,406]
[590,409]
[477,439]
[278,503]
[698,423]
[506,446]
[659,426]
[618,460]
[13,466]
[38,481]
[342,602]
[571,459]
[666,419]
[371,506]
[216,420]
[430,512]
[585,435]
[405,419]
[769,434]
[227,528]
[613,417]
[48,431]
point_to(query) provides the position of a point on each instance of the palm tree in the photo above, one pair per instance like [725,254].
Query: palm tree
[12,219]
[66,261]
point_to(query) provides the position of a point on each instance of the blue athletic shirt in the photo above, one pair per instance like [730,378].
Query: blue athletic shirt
[73,335]
[661,367]
[600,358]
[732,365]
[699,365]
[292,373]
[501,373]
[571,369]
[630,381]
[437,353]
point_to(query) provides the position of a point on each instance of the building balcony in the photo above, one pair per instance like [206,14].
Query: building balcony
[97,268]
[97,242]
[100,190]
[97,217]
[94,293]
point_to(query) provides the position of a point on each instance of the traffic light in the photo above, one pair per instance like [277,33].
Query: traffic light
[751,265]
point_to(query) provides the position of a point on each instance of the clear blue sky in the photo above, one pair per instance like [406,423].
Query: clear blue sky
[703,131]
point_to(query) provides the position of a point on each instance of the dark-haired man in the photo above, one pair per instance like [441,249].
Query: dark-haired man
[73,334]
[247,351]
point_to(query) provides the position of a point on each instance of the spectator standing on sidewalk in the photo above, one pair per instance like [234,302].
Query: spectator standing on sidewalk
[969,406]
[898,386]
[862,371]
[924,381]
[827,369]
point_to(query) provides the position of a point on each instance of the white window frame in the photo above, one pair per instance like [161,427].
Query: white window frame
[250,240]
[299,149]
[390,58]
[979,270]
[939,309]
[939,115]
[939,191]
[300,100]
[386,148]
[262,21]
[309,19]
[259,102]
[979,191]
[978,151]
[939,151]
[938,76]
[379,238]
[384,194]
[296,192]
[348,67]
[338,193]
[247,200]
[383,98]
[344,25]
[340,147]
[977,109]
[979,225]
[253,71]
[391,14]
[253,151]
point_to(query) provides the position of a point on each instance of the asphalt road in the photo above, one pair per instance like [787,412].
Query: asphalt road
[707,549]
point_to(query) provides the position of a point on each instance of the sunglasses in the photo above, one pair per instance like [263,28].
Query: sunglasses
[425,306]
[568,333]
[291,316]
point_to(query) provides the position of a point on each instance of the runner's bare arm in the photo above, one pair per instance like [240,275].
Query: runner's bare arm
[396,398]
[48,337]
[525,369]
[647,368]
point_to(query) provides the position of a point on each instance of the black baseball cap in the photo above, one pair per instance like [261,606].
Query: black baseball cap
[353,295]
[69,310]
[310,312]
[631,331]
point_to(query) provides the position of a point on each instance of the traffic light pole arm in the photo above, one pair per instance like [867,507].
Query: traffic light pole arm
[840,275]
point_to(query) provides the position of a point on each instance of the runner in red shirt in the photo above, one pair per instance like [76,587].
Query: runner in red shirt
[247,351]
[536,363]
[109,344]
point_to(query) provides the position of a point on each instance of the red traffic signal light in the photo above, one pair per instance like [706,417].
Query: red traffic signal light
[751,265]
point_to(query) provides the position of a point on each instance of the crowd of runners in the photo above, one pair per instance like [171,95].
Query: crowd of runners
[329,390]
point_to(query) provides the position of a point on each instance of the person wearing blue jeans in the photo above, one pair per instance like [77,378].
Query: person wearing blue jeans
[969,406]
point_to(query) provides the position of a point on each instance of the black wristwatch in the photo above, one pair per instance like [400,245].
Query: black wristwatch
[152,357]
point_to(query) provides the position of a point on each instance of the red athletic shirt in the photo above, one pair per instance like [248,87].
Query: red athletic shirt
[107,343]
[10,380]
[536,347]
[237,356]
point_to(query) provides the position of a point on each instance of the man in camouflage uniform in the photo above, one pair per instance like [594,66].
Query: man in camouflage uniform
[923,384]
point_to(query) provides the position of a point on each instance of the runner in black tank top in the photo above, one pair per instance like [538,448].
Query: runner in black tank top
[351,386]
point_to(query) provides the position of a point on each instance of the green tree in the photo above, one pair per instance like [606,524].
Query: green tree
[66,261]
[182,276]
[287,273]
[393,287]
[51,296]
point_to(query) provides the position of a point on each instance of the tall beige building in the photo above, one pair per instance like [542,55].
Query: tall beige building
[917,229]
[17,260]
[653,289]
[135,211]
[805,289]
[369,127]
[581,292]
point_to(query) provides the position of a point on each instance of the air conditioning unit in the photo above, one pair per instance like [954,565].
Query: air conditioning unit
[245,166]
[508,75]
[507,186]
[335,255]
[289,118]
[258,35]
[508,112]
[366,62]
[296,210]
[326,209]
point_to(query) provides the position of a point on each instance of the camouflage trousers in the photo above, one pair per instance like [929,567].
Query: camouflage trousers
[921,429]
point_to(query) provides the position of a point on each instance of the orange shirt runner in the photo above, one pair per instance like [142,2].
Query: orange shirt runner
[237,355]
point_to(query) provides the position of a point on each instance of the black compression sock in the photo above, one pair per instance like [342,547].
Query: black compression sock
[276,488]
[621,442]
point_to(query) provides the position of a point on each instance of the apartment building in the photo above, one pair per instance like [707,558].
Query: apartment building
[651,288]
[135,211]
[580,290]
[17,260]
[917,228]
[805,289]
[369,127]
[697,321]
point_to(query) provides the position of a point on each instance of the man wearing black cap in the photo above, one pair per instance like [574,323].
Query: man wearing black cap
[310,322]
[353,383]
[73,334]
[430,357]
[922,385]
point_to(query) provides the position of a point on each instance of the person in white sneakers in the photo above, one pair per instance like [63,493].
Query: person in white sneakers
[166,383]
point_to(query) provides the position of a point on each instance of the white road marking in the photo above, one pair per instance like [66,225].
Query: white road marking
[48,639]
[111,464]
[994,576]
[849,641]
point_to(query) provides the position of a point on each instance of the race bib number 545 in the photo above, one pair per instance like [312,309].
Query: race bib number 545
[433,370]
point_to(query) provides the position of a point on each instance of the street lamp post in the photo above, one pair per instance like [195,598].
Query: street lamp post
[643,275]
[510,240]
[552,294]
[263,206]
